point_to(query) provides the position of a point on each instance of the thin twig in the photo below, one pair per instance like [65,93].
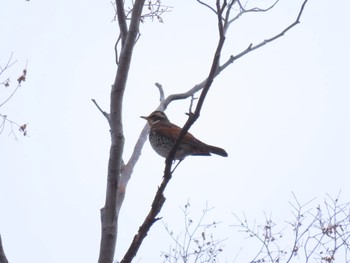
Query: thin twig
[20,80]
[102,111]
[252,10]
[8,64]
[116,50]
[11,95]
[208,6]
[252,47]
[161,92]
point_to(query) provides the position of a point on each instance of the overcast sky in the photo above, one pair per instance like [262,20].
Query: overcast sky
[282,113]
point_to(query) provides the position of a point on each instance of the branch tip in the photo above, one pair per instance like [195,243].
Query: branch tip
[161,92]
[102,111]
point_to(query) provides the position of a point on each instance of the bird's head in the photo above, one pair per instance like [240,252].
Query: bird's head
[155,117]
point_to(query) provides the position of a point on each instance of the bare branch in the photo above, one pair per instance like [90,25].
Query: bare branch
[191,103]
[8,64]
[155,10]
[20,80]
[251,10]
[161,92]
[316,235]
[129,167]
[208,6]
[184,95]
[102,111]
[252,47]
[6,83]
[197,243]
[116,50]
[121,20]
[3,258]
[11,95]
[227,15]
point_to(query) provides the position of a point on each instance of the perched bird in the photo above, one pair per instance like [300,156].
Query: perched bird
[163,134]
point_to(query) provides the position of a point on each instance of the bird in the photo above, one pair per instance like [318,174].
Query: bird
[163,135]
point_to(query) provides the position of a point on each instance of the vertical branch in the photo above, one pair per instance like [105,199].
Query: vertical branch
[109,213]
[121,20]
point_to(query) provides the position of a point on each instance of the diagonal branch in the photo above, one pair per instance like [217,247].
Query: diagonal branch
[20,80]
[102,111]
[252,47]
[208,6]
[159,198]
[8,64]
[11,95]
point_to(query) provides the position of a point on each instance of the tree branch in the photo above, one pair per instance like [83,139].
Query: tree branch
[3,258]
[20,80]
[8,64]
[159,198]
[11,95]
[109,213]
[252,47]
[102,111]
[208,6]
[251,10]
[161,92]
[121,20]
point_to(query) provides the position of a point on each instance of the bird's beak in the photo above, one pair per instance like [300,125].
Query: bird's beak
[144,117]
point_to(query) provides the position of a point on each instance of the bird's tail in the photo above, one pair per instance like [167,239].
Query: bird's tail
[217,150]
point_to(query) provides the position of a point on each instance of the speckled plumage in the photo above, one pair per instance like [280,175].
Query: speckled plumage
[163,134]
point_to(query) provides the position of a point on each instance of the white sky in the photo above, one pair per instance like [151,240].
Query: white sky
[282,113]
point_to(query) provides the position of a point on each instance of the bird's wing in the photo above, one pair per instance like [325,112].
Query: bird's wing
[172,131]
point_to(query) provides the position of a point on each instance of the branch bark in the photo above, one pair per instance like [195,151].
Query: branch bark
[121,20]
[109,213]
